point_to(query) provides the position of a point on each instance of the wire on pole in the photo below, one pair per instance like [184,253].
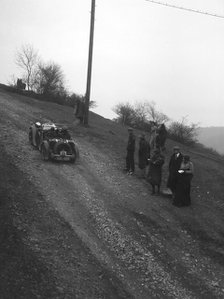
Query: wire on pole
[187,9]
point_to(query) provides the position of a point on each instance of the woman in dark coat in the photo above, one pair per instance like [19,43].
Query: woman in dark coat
[155,170]
[143,152]
[174,166]
[183,187]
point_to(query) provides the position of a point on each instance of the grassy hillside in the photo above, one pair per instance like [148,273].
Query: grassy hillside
[111,138]
[115,210]
[212,137]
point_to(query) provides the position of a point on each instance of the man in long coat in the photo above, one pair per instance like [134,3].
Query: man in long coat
[80,110]
[162,134]
[174,166]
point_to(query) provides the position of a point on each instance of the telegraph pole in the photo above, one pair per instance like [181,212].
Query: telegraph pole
[89,72]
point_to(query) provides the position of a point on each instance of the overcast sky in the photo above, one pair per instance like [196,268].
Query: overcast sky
[142,51]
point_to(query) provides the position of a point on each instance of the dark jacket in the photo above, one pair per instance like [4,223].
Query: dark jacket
[162,135]
[131,143]
[155,169]
[143,153]
[174,166]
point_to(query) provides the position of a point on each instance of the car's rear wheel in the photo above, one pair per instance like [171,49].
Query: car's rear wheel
[44,153]
[30,137]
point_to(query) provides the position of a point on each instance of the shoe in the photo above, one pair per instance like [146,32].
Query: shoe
[131,172]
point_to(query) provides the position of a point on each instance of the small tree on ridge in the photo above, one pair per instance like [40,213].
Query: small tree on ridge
[27,59]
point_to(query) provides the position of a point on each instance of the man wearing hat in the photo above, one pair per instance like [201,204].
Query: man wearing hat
[174,166]
[130,163]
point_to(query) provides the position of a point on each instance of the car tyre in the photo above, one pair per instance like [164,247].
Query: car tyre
[30,136]
[44,153]
[75,156]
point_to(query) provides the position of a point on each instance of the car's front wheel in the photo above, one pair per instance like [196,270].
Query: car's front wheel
[75,153]
[44,153]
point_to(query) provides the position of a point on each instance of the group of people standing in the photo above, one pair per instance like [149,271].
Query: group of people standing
[151,160]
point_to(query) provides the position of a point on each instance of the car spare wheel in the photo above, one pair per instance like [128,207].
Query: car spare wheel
[61,146]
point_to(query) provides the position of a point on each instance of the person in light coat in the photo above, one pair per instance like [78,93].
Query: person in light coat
[155,171]
[143,154]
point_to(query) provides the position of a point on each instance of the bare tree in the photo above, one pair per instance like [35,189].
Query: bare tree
[27,58]
[154,115]
[140,114]
[183,132]
[145,113]
[125,113]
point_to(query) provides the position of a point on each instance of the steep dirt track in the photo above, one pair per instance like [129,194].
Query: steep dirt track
[140,243]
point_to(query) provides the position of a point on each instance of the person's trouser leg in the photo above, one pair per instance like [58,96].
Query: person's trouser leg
[128,162]
[132,162]
[153,189]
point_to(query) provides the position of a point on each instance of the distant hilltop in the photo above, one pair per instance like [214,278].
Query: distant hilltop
[212,137]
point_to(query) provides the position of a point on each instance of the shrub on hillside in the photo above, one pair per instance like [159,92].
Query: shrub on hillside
[125,113]
[140,115]
[50,80]
[182,132]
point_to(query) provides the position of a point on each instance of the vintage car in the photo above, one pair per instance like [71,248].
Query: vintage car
[53,142]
